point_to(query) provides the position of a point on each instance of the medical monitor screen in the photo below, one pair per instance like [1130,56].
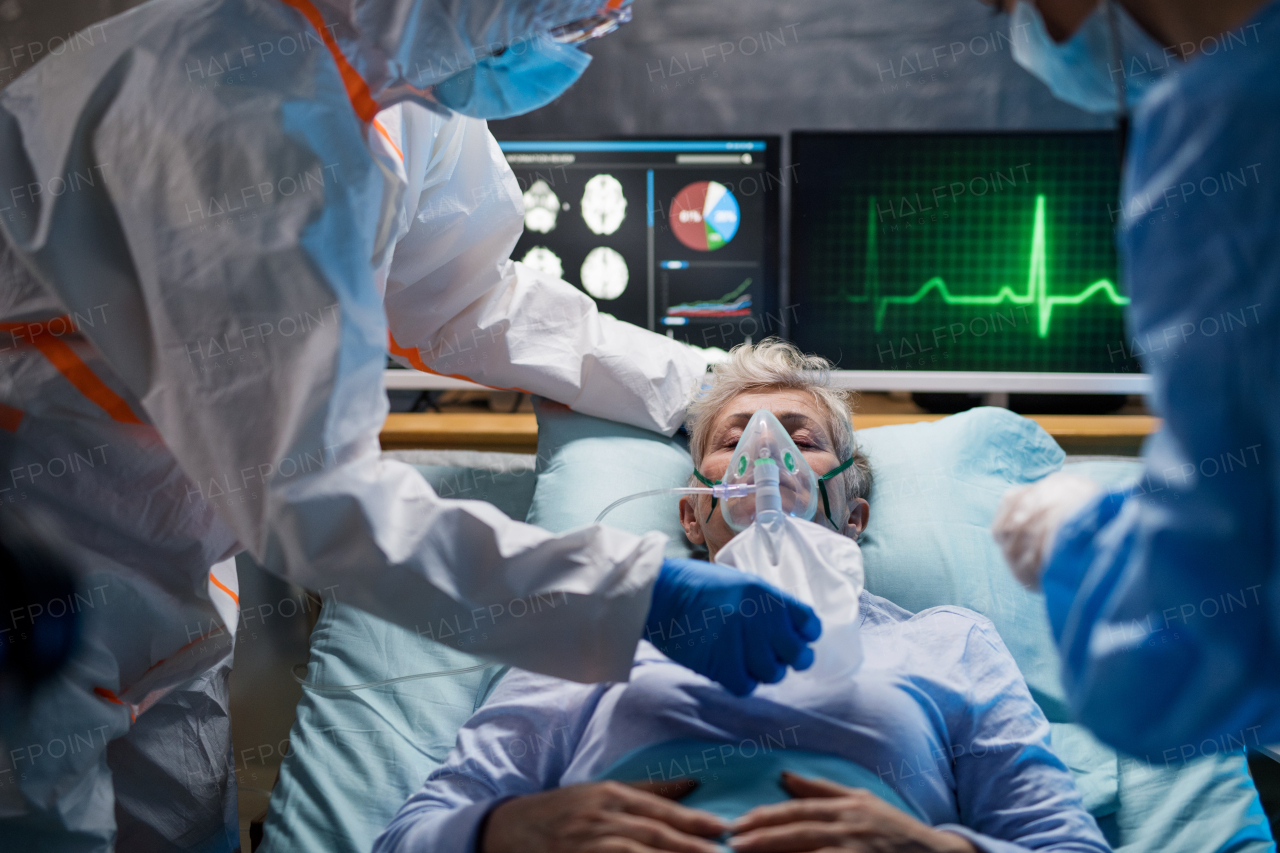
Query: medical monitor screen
[679,236]
[959,251]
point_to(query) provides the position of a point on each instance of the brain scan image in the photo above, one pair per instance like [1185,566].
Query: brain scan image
[544,260]
[604,205]
[541,207]
[604,273]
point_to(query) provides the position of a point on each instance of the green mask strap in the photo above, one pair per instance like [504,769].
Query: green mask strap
[708,484]
[822,488]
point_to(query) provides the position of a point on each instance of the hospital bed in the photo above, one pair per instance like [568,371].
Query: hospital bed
[381,704]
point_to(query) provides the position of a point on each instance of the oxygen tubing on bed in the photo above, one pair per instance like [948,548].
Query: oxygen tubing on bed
[716,490]
[346,688]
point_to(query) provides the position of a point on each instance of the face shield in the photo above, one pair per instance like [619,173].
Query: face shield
[520,78]
[530,73]
[612,15]
[481,58]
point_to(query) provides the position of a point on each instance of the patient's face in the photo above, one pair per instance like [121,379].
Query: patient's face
[806,423]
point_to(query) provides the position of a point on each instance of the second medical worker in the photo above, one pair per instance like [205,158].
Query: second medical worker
[1165,597]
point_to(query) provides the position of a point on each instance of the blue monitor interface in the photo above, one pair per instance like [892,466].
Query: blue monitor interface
[679,236]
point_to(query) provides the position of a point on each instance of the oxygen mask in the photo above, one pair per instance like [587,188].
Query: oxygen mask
[764,455]
[771,473]
[769,496]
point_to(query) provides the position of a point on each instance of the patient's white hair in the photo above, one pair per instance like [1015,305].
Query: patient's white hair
[774,364]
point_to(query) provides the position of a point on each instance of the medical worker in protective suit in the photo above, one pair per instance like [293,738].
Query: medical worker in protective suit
[1165,598]
[218,216]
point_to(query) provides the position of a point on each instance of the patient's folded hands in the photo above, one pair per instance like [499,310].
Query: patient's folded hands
[602,817]
[612,817]
[825,816]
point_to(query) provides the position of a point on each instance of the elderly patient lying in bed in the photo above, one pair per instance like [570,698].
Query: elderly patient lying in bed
[938,711]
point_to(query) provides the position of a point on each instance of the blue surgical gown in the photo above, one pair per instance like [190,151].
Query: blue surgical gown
[1165,600]
[938,711]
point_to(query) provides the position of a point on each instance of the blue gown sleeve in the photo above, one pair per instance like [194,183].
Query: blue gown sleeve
[1163,600]
[519,743]
[1012,790]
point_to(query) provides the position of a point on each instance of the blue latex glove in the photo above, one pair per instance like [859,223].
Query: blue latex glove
[730,626]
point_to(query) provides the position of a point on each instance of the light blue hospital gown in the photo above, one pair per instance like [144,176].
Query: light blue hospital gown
[939,711]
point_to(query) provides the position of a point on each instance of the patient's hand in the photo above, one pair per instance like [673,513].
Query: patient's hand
[602,817]
[830,817]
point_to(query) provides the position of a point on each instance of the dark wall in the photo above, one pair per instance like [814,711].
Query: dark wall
[763,66]
[740,66]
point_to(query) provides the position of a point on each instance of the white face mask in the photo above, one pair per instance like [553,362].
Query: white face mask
[1106,67]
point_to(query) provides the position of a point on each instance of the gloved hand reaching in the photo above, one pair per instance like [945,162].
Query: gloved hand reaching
[1028,518]
[730,626]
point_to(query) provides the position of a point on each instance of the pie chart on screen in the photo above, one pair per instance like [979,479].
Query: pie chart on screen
[704,216]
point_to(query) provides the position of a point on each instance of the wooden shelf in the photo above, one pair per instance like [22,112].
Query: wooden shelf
[1102,426]
[518,433]
[508,433]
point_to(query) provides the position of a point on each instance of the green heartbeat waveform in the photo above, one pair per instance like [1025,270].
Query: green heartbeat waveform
[1037,292]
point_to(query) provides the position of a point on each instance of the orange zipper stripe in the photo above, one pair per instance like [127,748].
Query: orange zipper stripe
[357,89]
[390,141]
[414,357]
[72,367]
[115,700]
[220,585]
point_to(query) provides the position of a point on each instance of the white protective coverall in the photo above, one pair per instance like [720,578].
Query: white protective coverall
[207,241]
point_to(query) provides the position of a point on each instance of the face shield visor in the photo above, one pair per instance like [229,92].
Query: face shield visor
[612,15]
[529,73]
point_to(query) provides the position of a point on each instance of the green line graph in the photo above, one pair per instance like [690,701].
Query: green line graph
[1036,292]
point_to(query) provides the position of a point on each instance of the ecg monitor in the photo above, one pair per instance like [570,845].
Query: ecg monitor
[675,235]
[992,253]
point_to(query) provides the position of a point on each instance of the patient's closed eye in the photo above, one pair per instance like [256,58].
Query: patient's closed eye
[806,439]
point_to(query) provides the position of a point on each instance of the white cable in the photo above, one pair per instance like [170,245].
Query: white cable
[720,490]
[345,688]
